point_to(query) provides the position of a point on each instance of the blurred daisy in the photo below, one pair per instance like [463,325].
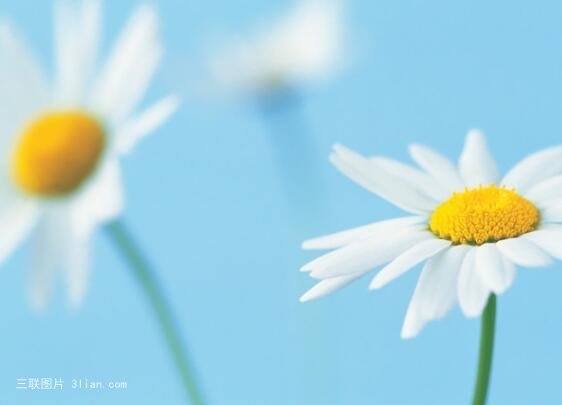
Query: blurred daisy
[60,178]
[305,45]
[469,226]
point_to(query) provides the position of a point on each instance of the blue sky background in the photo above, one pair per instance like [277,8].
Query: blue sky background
[220,208]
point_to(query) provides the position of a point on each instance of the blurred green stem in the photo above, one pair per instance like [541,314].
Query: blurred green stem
[147,280]
[486,352]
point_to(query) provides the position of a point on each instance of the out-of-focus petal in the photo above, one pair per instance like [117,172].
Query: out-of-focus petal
[127,73]
[146,122]
[100,201]
[77,37]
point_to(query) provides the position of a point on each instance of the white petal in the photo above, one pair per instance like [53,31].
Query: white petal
[411,257]
[127,73]
[472,294]
[509,270]
[146,122]
[552,215]
[414,322]
[77,34]
[476,164]
[343,238]
[99,202]
[415,178]
[385,185]
[490,267]
[438,166]
[23,85]
[328,286]
[549,240]
[523,252]
[58,247]
[551,210]
[545,190]
[441,276]
[49,247]
[364,255]
[77,268]
[533,169]
[436,290]
[17,218]
[547,226]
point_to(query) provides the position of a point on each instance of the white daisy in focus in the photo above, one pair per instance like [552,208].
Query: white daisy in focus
[470,226]
[305,45]
[60,142]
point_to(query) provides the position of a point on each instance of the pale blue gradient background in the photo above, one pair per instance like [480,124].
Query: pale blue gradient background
[206,200]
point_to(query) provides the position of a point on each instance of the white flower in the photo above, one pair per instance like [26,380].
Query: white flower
[470,226]
[60,143]
[305,45]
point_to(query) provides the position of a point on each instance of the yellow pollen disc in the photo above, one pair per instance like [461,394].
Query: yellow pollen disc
[57,152]
[484,214]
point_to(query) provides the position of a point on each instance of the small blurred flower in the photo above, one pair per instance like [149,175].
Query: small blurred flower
[305,45]
[468,225]
[61,143]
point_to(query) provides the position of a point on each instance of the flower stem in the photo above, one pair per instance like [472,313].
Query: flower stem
[486,352]
[147,280]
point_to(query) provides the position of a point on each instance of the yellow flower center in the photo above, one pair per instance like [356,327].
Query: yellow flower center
[56,152]
[484,214]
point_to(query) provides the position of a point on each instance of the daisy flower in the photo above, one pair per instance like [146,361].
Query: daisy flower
[304,45]
[470,227]
[61,139]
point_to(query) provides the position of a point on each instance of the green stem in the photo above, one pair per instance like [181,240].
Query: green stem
[486,352]
[146,278]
